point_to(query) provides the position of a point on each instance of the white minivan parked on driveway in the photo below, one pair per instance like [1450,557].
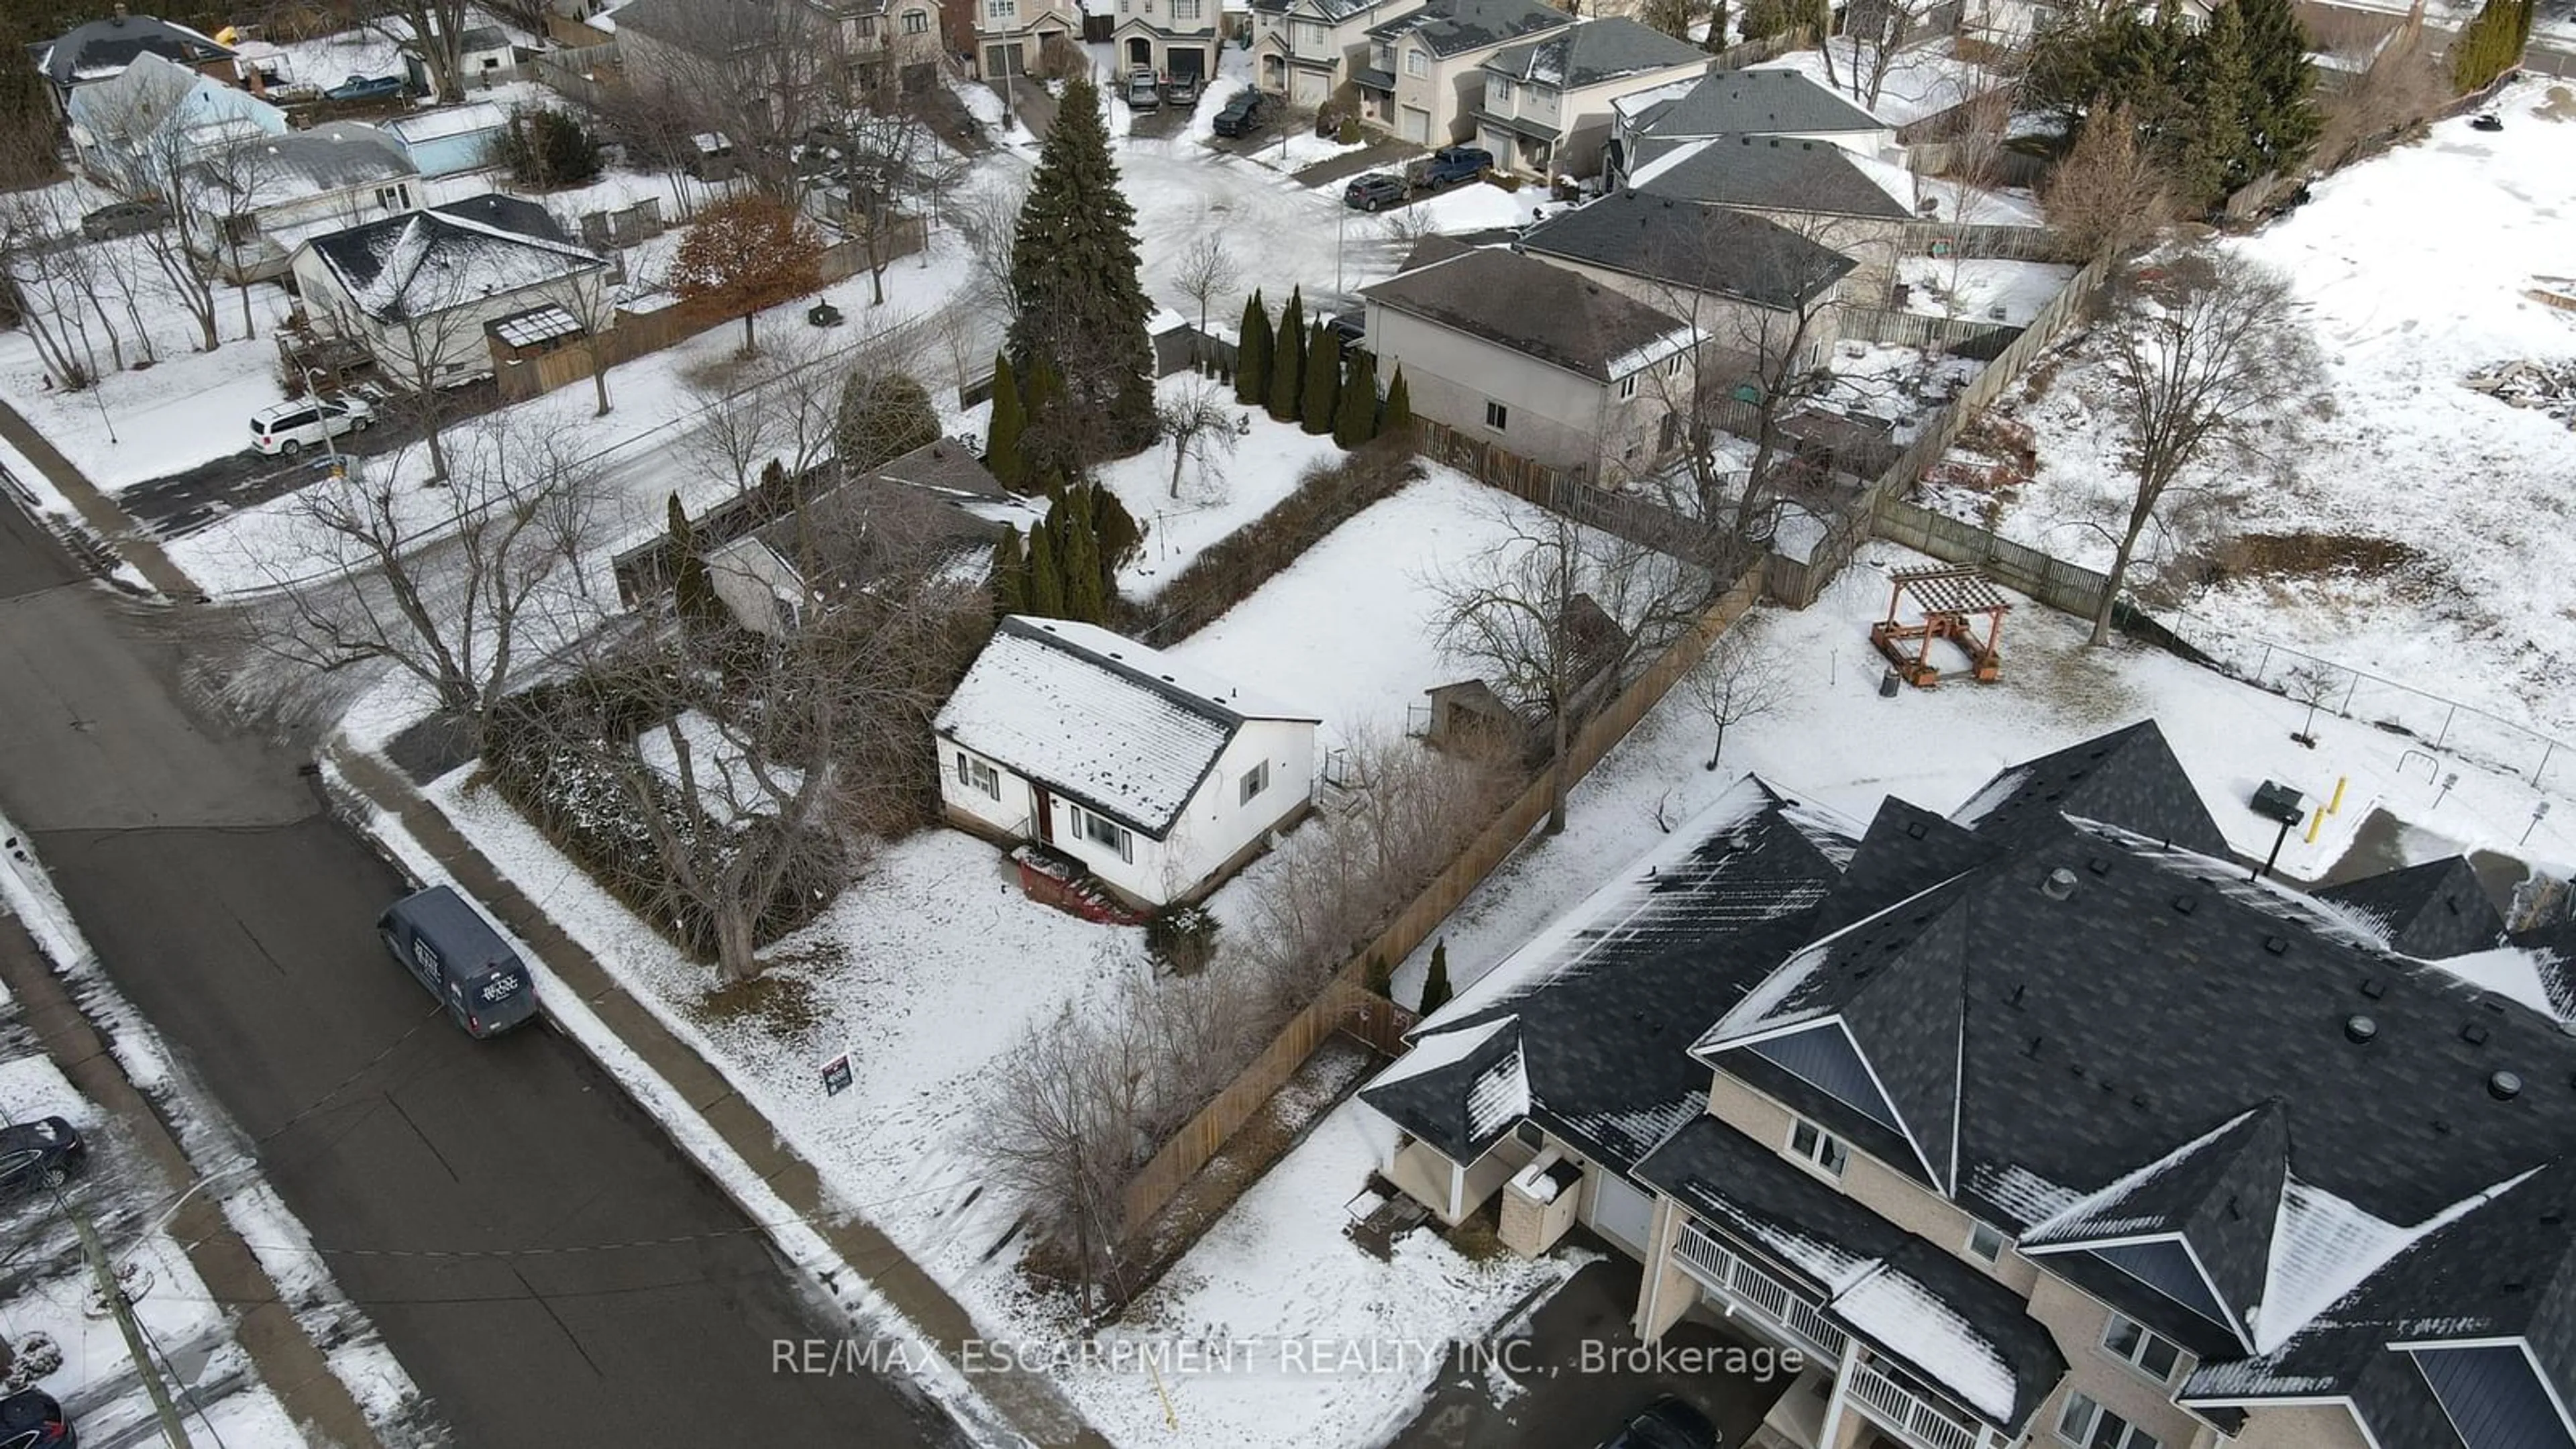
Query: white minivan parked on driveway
[290,427]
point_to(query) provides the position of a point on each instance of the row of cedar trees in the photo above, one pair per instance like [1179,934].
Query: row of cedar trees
[1290,370]
[2491,44]
[1067,566]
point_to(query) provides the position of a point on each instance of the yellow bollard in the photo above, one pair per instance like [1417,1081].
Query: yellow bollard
[2336,803]
[2317,823]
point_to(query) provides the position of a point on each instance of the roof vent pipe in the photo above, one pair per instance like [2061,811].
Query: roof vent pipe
[2359,1029]
[2059,885]
[2504,1086]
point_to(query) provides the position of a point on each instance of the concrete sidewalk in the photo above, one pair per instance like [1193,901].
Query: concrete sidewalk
[1034,1407]
[99,513]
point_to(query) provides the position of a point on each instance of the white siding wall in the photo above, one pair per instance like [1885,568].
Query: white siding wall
[1010,811]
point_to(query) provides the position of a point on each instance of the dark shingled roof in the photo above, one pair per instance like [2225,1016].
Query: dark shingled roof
[1603,1017]
[1593,52]
[457,230]
[1760,103]
[1755,1192]
[2432,910]
[113,43]
[1447,27]
[1771,174]
[2127,778]
[330,157]
[1554,315]
[1705,248]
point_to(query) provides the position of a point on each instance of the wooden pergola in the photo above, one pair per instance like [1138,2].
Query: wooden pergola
[1949,598]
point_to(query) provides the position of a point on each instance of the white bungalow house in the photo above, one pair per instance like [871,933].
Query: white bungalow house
[1159,778]
[261,197]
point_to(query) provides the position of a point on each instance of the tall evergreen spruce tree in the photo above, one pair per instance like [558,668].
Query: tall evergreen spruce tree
[1288,360]
[1080,305]
[1002,435]
[1355,416]
[1252,353]
[1435,983]
[693,585]
[2283,121]
[2217,98]
[1045,596]
[1323,379]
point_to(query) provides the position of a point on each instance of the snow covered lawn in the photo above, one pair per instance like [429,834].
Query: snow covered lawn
[2412,268]
[1838,743]
[1974,288]
[1220,491]
[1923,81]
[1348,630]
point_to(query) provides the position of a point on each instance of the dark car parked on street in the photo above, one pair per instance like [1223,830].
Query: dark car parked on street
[1667,1423]
[1243,114]
[455,954]
[1375,192]
[1450,165]
[45,1153]
[31,1419]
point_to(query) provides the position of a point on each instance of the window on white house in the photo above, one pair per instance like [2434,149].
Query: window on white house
[1103,831]
[1673,366]
[1188,10]
[1502,95]
[1497,416]
[390,197]
[916,22]
[2135,1344]
[1001,9]
[1628,387]
[974,774]
[1985,1244]
[1417,63]
[1255,780]
[2091,1426]
[1816,1145]
[867,27]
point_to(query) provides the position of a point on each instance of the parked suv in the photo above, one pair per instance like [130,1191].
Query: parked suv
[1142,93]
[1242,115]
[32,1419]
[1450,165]
[123,218]
[1375,192]
[290,427]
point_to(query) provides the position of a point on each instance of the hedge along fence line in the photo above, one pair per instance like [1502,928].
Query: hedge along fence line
[564,786]
[1231,569]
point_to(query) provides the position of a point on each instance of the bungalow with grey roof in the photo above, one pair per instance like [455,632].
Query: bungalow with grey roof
[261,197]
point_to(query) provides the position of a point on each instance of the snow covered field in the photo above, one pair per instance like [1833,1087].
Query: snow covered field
[1837,742]
[2413,268]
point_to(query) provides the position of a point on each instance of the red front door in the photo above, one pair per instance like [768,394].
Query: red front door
[1043,805]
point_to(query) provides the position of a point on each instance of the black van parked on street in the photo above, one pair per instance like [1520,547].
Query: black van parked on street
[451,950]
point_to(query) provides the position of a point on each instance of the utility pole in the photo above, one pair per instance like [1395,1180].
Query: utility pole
[173,1429]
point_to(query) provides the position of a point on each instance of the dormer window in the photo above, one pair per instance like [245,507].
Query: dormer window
[1985,1244]
[1818,1148]
[2138,1346]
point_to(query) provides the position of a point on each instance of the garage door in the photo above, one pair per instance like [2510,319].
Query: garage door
[1620,1212]
[1185,60]
[1414,124]
[1309,88]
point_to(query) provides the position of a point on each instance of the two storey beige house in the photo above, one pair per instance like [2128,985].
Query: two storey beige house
[1171,38]
[1423,76]
[1010,34]
[1305,49]
[1546,107]
[2038,1123]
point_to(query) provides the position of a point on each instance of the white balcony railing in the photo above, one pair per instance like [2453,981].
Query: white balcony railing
[1912,1417]
[1748,1287]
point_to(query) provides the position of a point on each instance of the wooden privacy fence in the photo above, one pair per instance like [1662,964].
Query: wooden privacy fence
[1958,336]
[1346,1004]
[637,334]
[1978,240]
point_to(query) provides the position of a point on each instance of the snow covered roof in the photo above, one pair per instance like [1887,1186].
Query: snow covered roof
[105,47]
[1592,52]
[1450,27]
[422,263]
[333,156]
[448,121]
[1109,723]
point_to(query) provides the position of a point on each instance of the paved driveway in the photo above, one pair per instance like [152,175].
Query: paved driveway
[1575,1374]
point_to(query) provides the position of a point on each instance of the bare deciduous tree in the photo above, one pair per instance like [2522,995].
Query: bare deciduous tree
[146,118]
[1556,616]
[225,186]
[1207,275]
[432,29]
[1198,420]
[1742,677]
[2209,359]
[453,585]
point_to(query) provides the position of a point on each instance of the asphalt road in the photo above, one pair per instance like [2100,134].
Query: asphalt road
[239,918]
[180,503]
